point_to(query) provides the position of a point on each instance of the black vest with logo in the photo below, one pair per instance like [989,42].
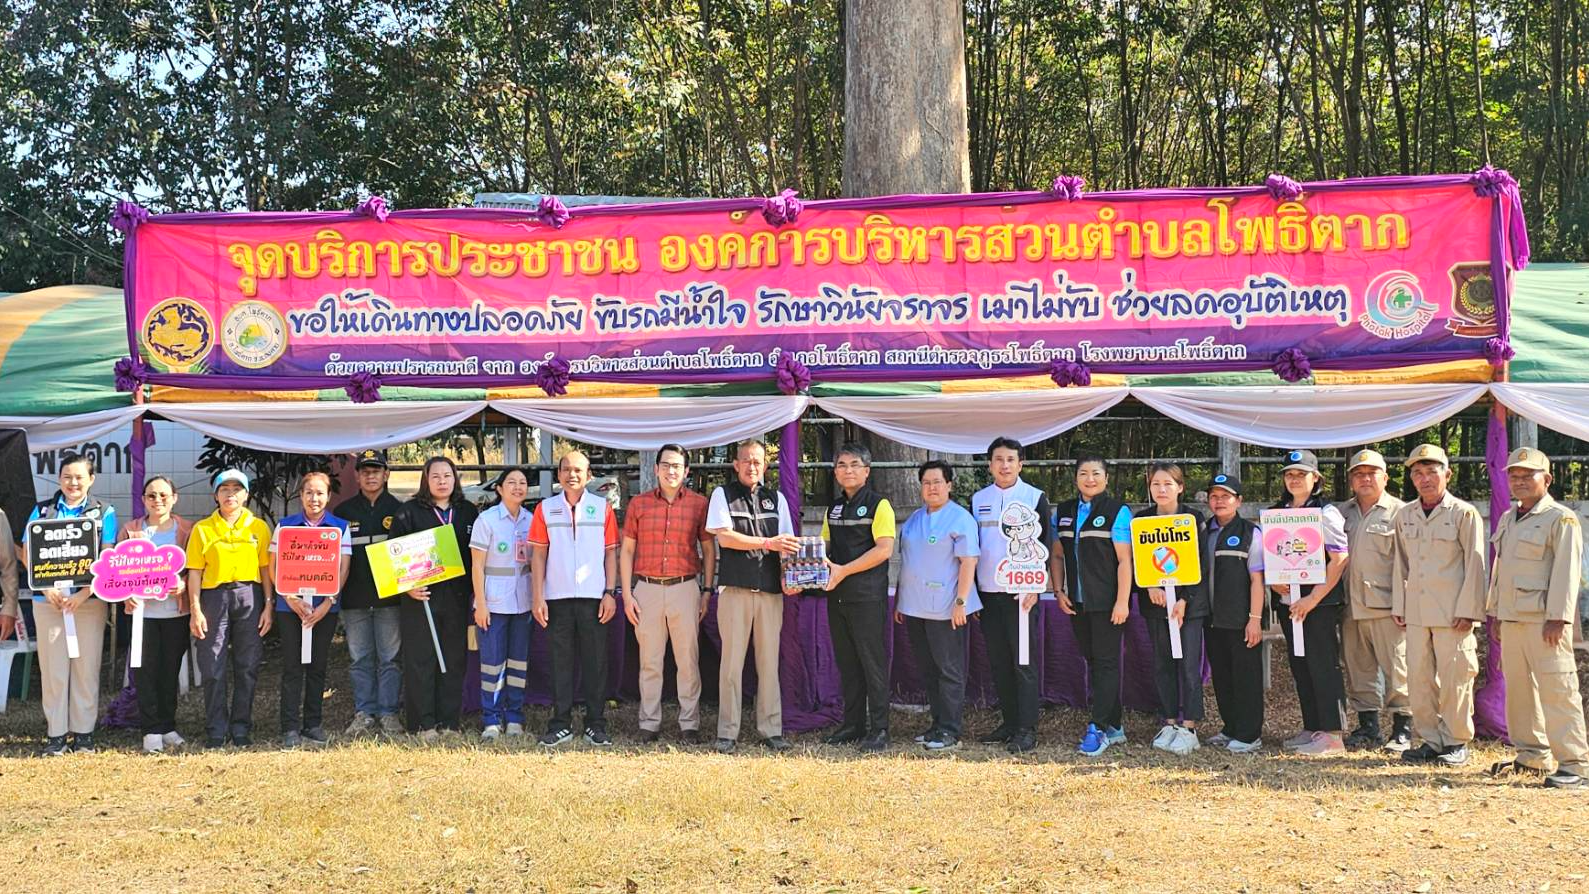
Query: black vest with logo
[1090,559]
[849,538]
[1195,596]
[1337,594]
[94,509]
[755,514]
[1225,574]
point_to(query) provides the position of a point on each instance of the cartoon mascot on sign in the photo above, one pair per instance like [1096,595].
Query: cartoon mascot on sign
[1021,527]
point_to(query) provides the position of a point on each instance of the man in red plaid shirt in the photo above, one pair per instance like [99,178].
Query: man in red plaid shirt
[665,550]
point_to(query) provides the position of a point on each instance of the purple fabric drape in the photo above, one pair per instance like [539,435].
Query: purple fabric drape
[1489,702]
[142,440]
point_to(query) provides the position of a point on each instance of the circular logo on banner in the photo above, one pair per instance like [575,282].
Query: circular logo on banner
[1232,540]
[177,333]
[254,334]
[1394,306]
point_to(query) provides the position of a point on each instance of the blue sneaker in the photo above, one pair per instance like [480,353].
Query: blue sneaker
[1116,734]
[1094,742]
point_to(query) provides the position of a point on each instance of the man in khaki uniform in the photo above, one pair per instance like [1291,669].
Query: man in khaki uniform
[1534,595]
[1375,646]
[1438,595]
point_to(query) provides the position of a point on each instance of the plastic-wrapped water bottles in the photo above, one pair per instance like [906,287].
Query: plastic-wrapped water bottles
[807,568]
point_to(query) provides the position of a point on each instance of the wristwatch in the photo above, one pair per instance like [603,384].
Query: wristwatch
[960,601]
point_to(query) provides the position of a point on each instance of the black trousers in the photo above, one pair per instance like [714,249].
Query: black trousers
[859,631]
[1179,681]
[1100,644]
[1320,689]
[165,641]
[304,685]
[572,626]
[940,652]
[432,699]
[1015,684]
[1238,682]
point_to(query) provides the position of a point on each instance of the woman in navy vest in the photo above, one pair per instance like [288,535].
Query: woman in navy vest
[1233,579]
[1179,681]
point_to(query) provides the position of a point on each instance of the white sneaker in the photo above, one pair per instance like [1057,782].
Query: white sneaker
[172,740]
[1165,737]
[1237,746]
[153,743]
[1184,743]
[490,733]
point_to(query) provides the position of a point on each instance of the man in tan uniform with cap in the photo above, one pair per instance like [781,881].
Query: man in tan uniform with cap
[1438,595]
[1534,596]
[1375,647]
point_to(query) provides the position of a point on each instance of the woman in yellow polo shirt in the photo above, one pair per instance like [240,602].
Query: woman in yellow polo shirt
[229,567]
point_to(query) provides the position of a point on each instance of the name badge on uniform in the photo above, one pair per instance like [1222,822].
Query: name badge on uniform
[521,552]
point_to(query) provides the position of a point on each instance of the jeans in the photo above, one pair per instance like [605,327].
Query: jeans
[374,640]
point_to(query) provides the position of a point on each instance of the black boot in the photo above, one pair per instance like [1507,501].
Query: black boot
[1400,733]
[1367,733]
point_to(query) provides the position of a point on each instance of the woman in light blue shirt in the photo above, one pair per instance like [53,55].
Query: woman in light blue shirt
[936,593]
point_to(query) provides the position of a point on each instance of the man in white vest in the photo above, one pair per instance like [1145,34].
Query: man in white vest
[573,586]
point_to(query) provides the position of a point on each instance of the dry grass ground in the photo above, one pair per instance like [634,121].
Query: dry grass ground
[392,816]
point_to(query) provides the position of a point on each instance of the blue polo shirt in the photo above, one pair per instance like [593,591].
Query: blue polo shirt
[931,546]
[107,525]
[297,520]
[1120,532]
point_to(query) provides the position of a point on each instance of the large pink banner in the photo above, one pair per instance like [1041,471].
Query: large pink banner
[895,288]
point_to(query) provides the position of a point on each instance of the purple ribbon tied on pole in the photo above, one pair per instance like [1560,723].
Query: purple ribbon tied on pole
[128,215]
[552,212]
[131,373]
[785,207]
[375,207]
[793,377]
[1282,188]
[1292,365]
[364,387]
[1068,372]
[1490,182]
[552,377]
[1498,351]
[1067,187]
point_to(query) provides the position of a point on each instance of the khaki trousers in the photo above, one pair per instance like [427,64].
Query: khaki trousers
[744,615]
[70,688]
[1376,665]
[669,613]
[1544,714]
[1441,665]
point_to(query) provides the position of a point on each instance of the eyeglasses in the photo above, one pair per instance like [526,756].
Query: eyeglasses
[159,497]
[671,466]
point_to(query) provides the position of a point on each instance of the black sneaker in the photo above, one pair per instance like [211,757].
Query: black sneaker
[926,736]
[726,746]
[1367,733]
[875,742]
[316,735]
[650,736]
[691,737]
[556,736]
[54,746]
[941,741]
[1021,742]
[597,737]
[1455,756]
[82,743]
[776,743]
[1423,754]
[243,740]
[215,742]
[1563,780]
[1400,734]
[998,736]
[1503,769]
[845,735]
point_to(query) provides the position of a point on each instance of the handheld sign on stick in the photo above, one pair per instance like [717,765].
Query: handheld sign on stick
[137,569]
[417,560]
[308,564]
[1293,555]
[1164,554]
[1024,568]
[61,554]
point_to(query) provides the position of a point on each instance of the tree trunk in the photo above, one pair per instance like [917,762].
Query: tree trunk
[905,131]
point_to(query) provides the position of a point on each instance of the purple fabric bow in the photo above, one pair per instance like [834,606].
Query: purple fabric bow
[375,207]
[1066,372]
[1282,188]
[1490,182]
[552,212]
[1292,365]
[128,215]
[364,387]
[552,377]
[793,377]
[131,373]
[122,712]
[782,208]
[1498,351]
[1067,187]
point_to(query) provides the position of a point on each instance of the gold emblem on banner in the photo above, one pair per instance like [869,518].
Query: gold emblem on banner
[177,334]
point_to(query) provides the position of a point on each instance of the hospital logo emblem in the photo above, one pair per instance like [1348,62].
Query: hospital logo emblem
[254,334]
[1394,306]
[177,333]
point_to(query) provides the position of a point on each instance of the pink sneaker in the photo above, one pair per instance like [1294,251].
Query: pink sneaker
[1323,745]
[1298,740]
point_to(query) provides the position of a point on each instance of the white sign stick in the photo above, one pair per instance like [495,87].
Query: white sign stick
[1024,634]
[135,650]
[1296,626]
[70,623]
[307,652]
[434,639]
[1175,626]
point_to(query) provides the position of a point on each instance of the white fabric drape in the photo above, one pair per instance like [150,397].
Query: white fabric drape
[57,432]
[1318,416]
[643,423]
[965,423]
[329,427]
[1559,406]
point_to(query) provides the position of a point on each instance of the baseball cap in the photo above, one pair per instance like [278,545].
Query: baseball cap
[371,458]
[1226,482]
[1366,458]
[1528,458]
[233,475]
[1301,459]
[1428,453]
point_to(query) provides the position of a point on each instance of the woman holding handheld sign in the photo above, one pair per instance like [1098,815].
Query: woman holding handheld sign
[165,621]
[1179,680]
[1317,671]
[71,622]
[432,685]
[229,567]
[304,606]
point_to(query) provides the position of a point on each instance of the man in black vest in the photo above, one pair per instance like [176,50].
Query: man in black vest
[860,535]
[752,526]
[370,624]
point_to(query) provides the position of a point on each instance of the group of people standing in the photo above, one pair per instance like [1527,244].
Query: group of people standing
[1389,633]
